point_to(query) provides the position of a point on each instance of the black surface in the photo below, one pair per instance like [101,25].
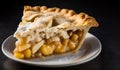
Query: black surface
[106,13]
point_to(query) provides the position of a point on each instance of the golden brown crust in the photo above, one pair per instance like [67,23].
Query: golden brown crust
[87,20]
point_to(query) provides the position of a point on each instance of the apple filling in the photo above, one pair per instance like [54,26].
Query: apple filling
[56,44]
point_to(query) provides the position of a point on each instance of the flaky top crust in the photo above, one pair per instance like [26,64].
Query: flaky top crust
[82,18]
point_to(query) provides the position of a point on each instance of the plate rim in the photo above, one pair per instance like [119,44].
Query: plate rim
[53,65]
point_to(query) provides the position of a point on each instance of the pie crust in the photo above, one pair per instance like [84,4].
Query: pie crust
[47,31]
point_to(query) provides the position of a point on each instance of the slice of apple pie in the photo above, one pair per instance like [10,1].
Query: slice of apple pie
[46,31]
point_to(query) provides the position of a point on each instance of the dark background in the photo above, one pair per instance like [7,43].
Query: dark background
[106,13]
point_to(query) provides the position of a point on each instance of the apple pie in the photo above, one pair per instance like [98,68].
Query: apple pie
[48,31]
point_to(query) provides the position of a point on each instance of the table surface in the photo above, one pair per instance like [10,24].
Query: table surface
[106,13]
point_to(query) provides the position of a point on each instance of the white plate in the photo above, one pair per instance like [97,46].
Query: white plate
[89,50]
